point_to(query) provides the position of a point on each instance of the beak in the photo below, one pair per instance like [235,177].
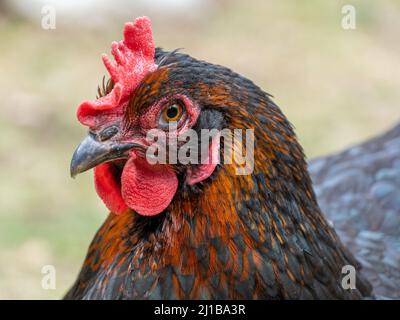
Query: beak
[92,152]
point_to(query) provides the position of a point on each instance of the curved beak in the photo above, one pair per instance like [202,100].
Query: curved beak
[92,152]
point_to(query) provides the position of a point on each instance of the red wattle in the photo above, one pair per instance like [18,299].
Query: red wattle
[108,188]
[147,189]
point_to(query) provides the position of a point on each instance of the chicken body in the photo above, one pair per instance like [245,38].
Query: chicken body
[359,191]
[257,236]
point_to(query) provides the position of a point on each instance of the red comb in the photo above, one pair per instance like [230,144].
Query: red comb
[134,58]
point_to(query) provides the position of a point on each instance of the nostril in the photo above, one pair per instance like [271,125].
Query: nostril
[107,133]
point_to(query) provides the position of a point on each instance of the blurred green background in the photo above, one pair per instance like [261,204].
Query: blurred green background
[336,86]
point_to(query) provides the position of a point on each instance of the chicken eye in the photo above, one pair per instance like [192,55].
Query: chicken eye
[172,113]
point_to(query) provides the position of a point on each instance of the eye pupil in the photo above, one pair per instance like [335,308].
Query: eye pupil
[172,111]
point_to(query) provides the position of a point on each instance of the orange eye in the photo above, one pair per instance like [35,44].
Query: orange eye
[172,113]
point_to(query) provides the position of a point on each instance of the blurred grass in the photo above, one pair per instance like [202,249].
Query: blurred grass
[337,87]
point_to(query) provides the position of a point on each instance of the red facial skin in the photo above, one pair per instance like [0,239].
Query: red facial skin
[149,189]
[145,188]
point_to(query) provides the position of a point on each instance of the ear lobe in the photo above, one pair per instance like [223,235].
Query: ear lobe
[202,171]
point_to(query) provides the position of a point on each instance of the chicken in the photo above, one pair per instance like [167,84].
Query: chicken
[200,231]
[359,191]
